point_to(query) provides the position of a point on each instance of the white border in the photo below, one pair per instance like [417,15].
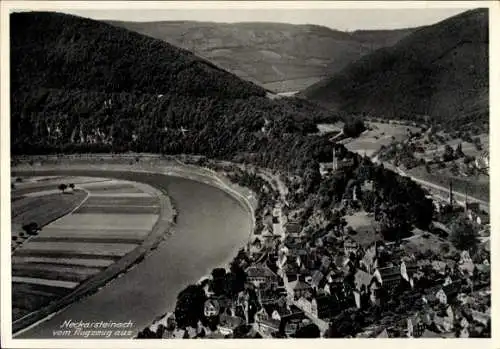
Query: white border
[6,336]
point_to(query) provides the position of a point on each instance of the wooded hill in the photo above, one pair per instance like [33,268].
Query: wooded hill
[83,85]
[440,71]
[281,57]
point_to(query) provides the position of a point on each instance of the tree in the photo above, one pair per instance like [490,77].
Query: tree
[219,281]
[62,187]
[464,236]
[241,331]
[72,186]
[31,228]
[190,306]
[308,331]
[427,167]
[458,151]
[454,169]
[449,153]
[354,127]
[238,277]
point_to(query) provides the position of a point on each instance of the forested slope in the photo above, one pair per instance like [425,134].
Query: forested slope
[83,85]
[439,71]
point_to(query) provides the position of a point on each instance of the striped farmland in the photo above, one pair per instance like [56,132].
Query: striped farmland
[114,219]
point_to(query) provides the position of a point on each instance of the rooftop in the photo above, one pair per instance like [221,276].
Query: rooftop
[230,321]
[362,278]
[259,270]
[293,228]
[299,285]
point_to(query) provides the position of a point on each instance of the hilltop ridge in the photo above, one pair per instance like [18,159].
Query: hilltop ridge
[282,57]
[440,71]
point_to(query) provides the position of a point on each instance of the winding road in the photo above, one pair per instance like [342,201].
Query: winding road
[433,187]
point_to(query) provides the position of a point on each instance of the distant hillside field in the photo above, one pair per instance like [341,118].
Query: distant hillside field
[79,85]
[440,71]
[278,56]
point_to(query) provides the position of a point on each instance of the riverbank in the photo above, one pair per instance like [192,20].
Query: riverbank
[167,168]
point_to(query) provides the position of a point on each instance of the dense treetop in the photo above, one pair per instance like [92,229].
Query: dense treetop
[55,50]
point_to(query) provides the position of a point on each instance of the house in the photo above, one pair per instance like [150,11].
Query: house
[261,274]
[447,281]
[388,277]
[267,321]
[369,260]
[294,242]
[462,298]
[325,264]
[298,288]
[228,323]
[441,296]
[367,186]
[452,290]
[362,280]
[482,162]
[340,261]
[327,306]
[464,333]
[211,308]
[423,263]
[464,323]
[290,269]
[293,229]
[207,289]
[465,264]
[308,305]
[426,316]
[350,246]
[486,245]
[443,324]
[255,246]
[292,325]
[480,317]
[383,334]
[431,334]
[451,265]
[473,206]
[408,270]
[191,332]
[317,279]
[415,326]
[325,168]
[440,267]
[267,236]
[225,303]
[269,293]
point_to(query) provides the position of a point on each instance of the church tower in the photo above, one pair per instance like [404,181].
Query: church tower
[451,193]
[334,160]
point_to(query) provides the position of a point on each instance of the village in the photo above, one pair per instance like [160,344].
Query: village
[347,280]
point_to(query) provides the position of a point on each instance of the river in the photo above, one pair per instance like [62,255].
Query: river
[211,227]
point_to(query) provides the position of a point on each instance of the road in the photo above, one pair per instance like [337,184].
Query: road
[433,187]
[459,197]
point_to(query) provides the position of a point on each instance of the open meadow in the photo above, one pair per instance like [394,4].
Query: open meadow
[475,186]
[379,134]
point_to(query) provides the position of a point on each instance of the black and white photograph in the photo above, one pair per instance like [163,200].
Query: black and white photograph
[246,171]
